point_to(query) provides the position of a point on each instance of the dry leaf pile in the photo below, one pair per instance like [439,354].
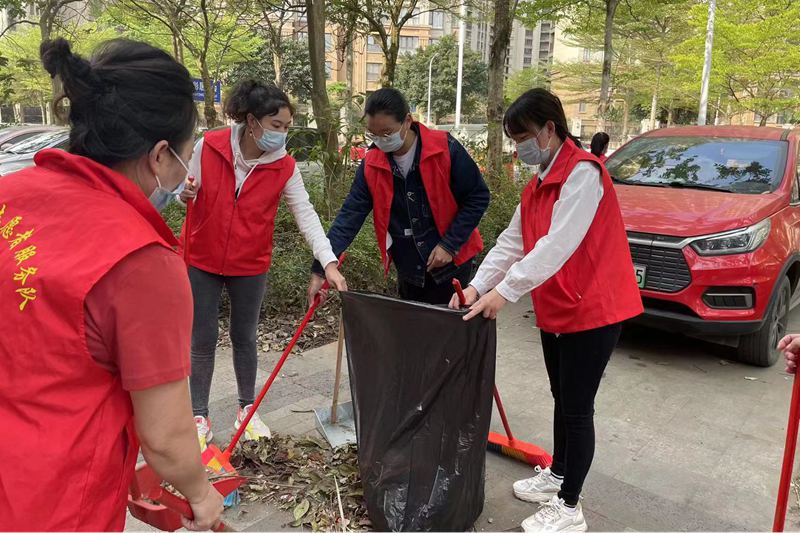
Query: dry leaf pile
[275,332]
[300,475]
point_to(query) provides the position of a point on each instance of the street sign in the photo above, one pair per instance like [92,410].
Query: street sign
[200,93]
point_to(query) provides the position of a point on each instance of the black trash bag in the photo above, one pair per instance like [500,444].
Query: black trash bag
[421,380]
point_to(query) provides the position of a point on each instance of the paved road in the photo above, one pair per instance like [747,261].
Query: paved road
[685,440]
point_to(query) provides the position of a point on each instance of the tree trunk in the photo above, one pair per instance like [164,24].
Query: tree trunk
[608,52]
[764,118]
[654,102]
[669,116]
[46,21]
[209,111]
[277,63]
[326,125]
[626,117]
[503,22]
[390,56]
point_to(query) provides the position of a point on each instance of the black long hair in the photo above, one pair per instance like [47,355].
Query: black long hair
[388,101]
[534,108]
[599,143]
[124,100]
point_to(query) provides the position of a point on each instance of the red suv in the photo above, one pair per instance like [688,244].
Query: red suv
[713,220]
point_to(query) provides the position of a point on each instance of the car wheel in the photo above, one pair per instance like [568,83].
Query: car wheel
[760,348]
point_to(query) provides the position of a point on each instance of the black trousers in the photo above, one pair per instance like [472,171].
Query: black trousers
[433,293]
[575,365]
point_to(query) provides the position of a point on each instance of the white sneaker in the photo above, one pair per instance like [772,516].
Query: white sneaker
[256,429]
[204,434]
[554,516]
[539,488]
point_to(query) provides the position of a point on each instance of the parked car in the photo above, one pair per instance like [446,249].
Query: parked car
[21,155]
[713,221]
[14,135]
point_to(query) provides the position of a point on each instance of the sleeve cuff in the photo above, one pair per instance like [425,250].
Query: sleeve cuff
[316,268]
[327,258]
[506,292]
[479,286]
[448,247]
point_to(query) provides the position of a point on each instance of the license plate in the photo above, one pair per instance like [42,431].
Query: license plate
[641,275]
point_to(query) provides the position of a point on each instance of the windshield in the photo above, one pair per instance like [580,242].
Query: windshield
[38,142]
[743,166]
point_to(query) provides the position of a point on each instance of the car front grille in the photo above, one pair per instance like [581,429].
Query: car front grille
[667,270]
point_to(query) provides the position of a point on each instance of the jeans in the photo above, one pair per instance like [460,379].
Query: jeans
[246,293]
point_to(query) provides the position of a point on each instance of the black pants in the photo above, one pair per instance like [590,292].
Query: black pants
[575,364]
[433,293]
[246,293]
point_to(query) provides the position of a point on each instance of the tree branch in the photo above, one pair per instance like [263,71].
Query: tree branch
[16,23]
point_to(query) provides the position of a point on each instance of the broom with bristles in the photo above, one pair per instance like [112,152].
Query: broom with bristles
[507,444]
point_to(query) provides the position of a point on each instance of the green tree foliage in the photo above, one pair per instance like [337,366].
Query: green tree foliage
[524,80]
[295,68]
[756,58]
[412,78]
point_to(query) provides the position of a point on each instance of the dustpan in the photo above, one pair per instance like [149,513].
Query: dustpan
[337,423]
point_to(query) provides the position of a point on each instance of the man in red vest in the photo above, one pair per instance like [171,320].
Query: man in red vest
[427,196]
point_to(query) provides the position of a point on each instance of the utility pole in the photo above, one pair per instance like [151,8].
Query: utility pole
[701,115]
[461,35]
[430,79]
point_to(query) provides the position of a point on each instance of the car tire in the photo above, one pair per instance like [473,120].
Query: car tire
[760,348]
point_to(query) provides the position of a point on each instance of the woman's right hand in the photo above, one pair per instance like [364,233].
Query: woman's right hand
[189,191]
[207,511]
[470,294]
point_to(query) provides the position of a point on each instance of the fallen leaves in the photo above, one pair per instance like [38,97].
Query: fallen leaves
[301,475]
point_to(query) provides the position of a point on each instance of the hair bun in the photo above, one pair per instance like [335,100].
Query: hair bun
[55,55]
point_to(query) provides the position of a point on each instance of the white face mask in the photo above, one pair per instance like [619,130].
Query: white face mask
[530,153]
[389,143]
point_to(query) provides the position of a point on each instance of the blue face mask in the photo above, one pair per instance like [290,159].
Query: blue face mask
[270,140]
[161,197]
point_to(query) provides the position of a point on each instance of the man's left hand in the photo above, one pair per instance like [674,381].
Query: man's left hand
[439,257]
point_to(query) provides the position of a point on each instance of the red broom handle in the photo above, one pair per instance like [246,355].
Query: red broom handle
[462,299]
[306,319]
[188,227]
[788,458]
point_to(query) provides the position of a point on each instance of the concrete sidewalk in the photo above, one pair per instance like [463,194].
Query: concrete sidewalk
[686,441]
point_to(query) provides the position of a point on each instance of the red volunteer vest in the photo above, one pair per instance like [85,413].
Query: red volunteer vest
[596,287]
[233,236]
[434,166]
[68,445]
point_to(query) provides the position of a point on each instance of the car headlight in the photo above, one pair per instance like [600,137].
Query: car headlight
[734,242]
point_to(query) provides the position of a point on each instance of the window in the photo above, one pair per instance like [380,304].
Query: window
[408,44]
[744,166]
[437,20]
[328,70]
[529,42]
[432,41]
[526,61]
[328,42]
[582,107]
[302,36]
[546,27]
[587,55]
[374,71]
[372,44]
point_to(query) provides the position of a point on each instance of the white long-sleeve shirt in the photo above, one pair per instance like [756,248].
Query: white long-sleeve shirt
[294,192]
[512,272]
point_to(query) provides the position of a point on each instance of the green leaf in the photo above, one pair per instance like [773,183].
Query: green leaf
[301,510]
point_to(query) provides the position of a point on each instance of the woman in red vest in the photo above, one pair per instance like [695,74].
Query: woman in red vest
[567,245]
[95,301]
[599,145]
[426,195]
[241,173]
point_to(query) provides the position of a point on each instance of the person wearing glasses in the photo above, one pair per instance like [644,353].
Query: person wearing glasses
[427,196]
